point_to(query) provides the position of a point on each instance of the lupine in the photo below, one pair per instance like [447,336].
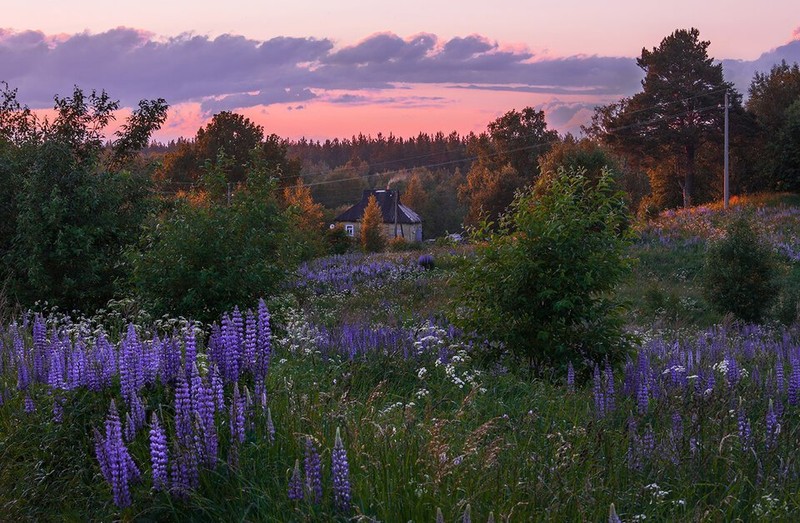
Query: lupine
[264,340]
[744,428]
[58,411]
[340,469]
[237,416]
[295,483]
[439,515]
[250,341]
[158,454]
[190,350]
[570,378]
[771,427]
[467,517]
[30,406]
[130,428]
[610,392]
[599,399]
[612,515]
[642,397]
[120,469]
[313,472]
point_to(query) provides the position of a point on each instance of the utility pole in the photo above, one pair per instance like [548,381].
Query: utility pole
[726,182]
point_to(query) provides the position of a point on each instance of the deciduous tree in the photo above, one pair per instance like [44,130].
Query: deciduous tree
[372,238]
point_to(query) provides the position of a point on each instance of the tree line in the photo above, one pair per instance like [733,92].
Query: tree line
[85,217]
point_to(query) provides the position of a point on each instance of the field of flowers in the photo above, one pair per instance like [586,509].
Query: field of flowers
[352,397]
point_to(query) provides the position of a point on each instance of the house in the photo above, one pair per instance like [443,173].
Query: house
[398,220]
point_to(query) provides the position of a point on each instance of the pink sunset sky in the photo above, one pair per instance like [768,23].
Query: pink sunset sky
[328,69]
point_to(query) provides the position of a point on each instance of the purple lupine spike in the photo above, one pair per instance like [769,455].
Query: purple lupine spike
[439,515]
[190,350]
[612,515]
[599,398]
[794,382]
[779,375]
[120,465]
[340,469]
[610,392]
[183,412]
[250,341]
[677,426]
[570,378]
[264,340]
[230,349]
[210,439]
[130,428]
[313,472]
[217,389]
[30,406]
[771,427]
[467,517]
[648,441]
[237,416]
[295,483]
[58,410]
[102,457]
[158,454]
[642,396]
[743,425]
[23,375]
[39,349]
[238,323]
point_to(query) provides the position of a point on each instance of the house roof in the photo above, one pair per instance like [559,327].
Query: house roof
[386,201]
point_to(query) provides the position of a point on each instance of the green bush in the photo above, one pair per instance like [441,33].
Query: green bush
[542,281]
[786,308]
[204,259]
[740,272]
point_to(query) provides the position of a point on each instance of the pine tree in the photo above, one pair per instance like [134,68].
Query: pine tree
[372,239]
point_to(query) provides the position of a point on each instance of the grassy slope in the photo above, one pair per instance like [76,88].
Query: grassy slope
[524,450]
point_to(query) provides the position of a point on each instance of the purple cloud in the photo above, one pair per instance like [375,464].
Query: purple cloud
[230,71]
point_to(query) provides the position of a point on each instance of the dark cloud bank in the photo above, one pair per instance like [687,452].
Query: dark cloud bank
[229,71]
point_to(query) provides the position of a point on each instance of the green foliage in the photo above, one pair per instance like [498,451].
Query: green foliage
[506,160]
[543,282]
[786,307]
[787,148]
[339,242]
[203,259]
[675,121]
[67,217]
[740,273]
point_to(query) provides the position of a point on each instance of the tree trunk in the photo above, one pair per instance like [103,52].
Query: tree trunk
[688,184]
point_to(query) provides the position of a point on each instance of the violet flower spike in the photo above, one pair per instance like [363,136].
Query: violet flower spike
[340,470]
[295,483]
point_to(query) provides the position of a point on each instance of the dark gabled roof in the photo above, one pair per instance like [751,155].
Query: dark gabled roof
[386,201]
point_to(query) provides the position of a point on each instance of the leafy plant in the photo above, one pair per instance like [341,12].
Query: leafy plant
[740,272]
[543,281]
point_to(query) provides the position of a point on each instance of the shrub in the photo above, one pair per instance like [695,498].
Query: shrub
[542,282]
[202,260]
[339,242]
[397,244]
[740,272]
[786,308]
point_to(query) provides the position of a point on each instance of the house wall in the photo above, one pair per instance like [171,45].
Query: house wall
[410,231]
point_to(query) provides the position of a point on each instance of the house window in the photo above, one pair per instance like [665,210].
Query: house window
[350,229]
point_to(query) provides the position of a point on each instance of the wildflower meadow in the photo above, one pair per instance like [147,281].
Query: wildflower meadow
[353,395]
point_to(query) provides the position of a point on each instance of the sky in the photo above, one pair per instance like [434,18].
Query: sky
[335,69]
